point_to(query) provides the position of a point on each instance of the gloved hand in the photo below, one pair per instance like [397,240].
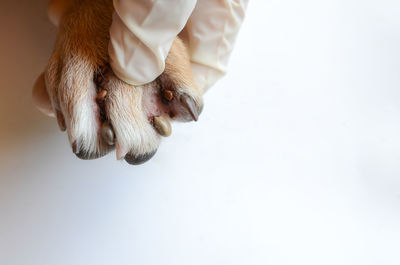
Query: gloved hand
[74,81]
[142,33]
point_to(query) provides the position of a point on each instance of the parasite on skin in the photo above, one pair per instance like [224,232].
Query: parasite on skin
[162,126]
[107,133]
[167,94]
[101,95]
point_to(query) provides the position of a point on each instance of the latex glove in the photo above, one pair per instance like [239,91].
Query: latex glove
[212,30]
[142,33]
[141,36]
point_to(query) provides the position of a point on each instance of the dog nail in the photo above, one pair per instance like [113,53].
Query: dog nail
[139,159]
[107,133]
[101,96]
[167,94]
[121,152]
[162,126]
[61,121]
[89,156]
[190,106]
[74,148]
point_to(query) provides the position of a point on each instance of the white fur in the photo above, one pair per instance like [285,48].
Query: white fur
[84,123]
[134,132]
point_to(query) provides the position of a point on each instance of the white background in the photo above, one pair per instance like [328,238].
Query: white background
[295,159]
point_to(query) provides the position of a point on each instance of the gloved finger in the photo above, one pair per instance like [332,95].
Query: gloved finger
[142,33]
[40,97]
[211,41]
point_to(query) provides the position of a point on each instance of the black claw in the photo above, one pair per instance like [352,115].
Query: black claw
[88,156]
[190,106]
[84,155]
[139,159]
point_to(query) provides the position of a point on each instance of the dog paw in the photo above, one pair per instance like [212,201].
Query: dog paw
[138,117]
[99,111]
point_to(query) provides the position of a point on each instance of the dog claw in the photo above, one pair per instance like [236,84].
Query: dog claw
[84,155]
[190,106]
[121,152]
[139,159]
[61,121]
[162,126]
[107,134]
[74,149]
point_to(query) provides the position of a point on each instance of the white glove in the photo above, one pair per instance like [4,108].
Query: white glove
[142,33]
[212,29]
[141,36]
